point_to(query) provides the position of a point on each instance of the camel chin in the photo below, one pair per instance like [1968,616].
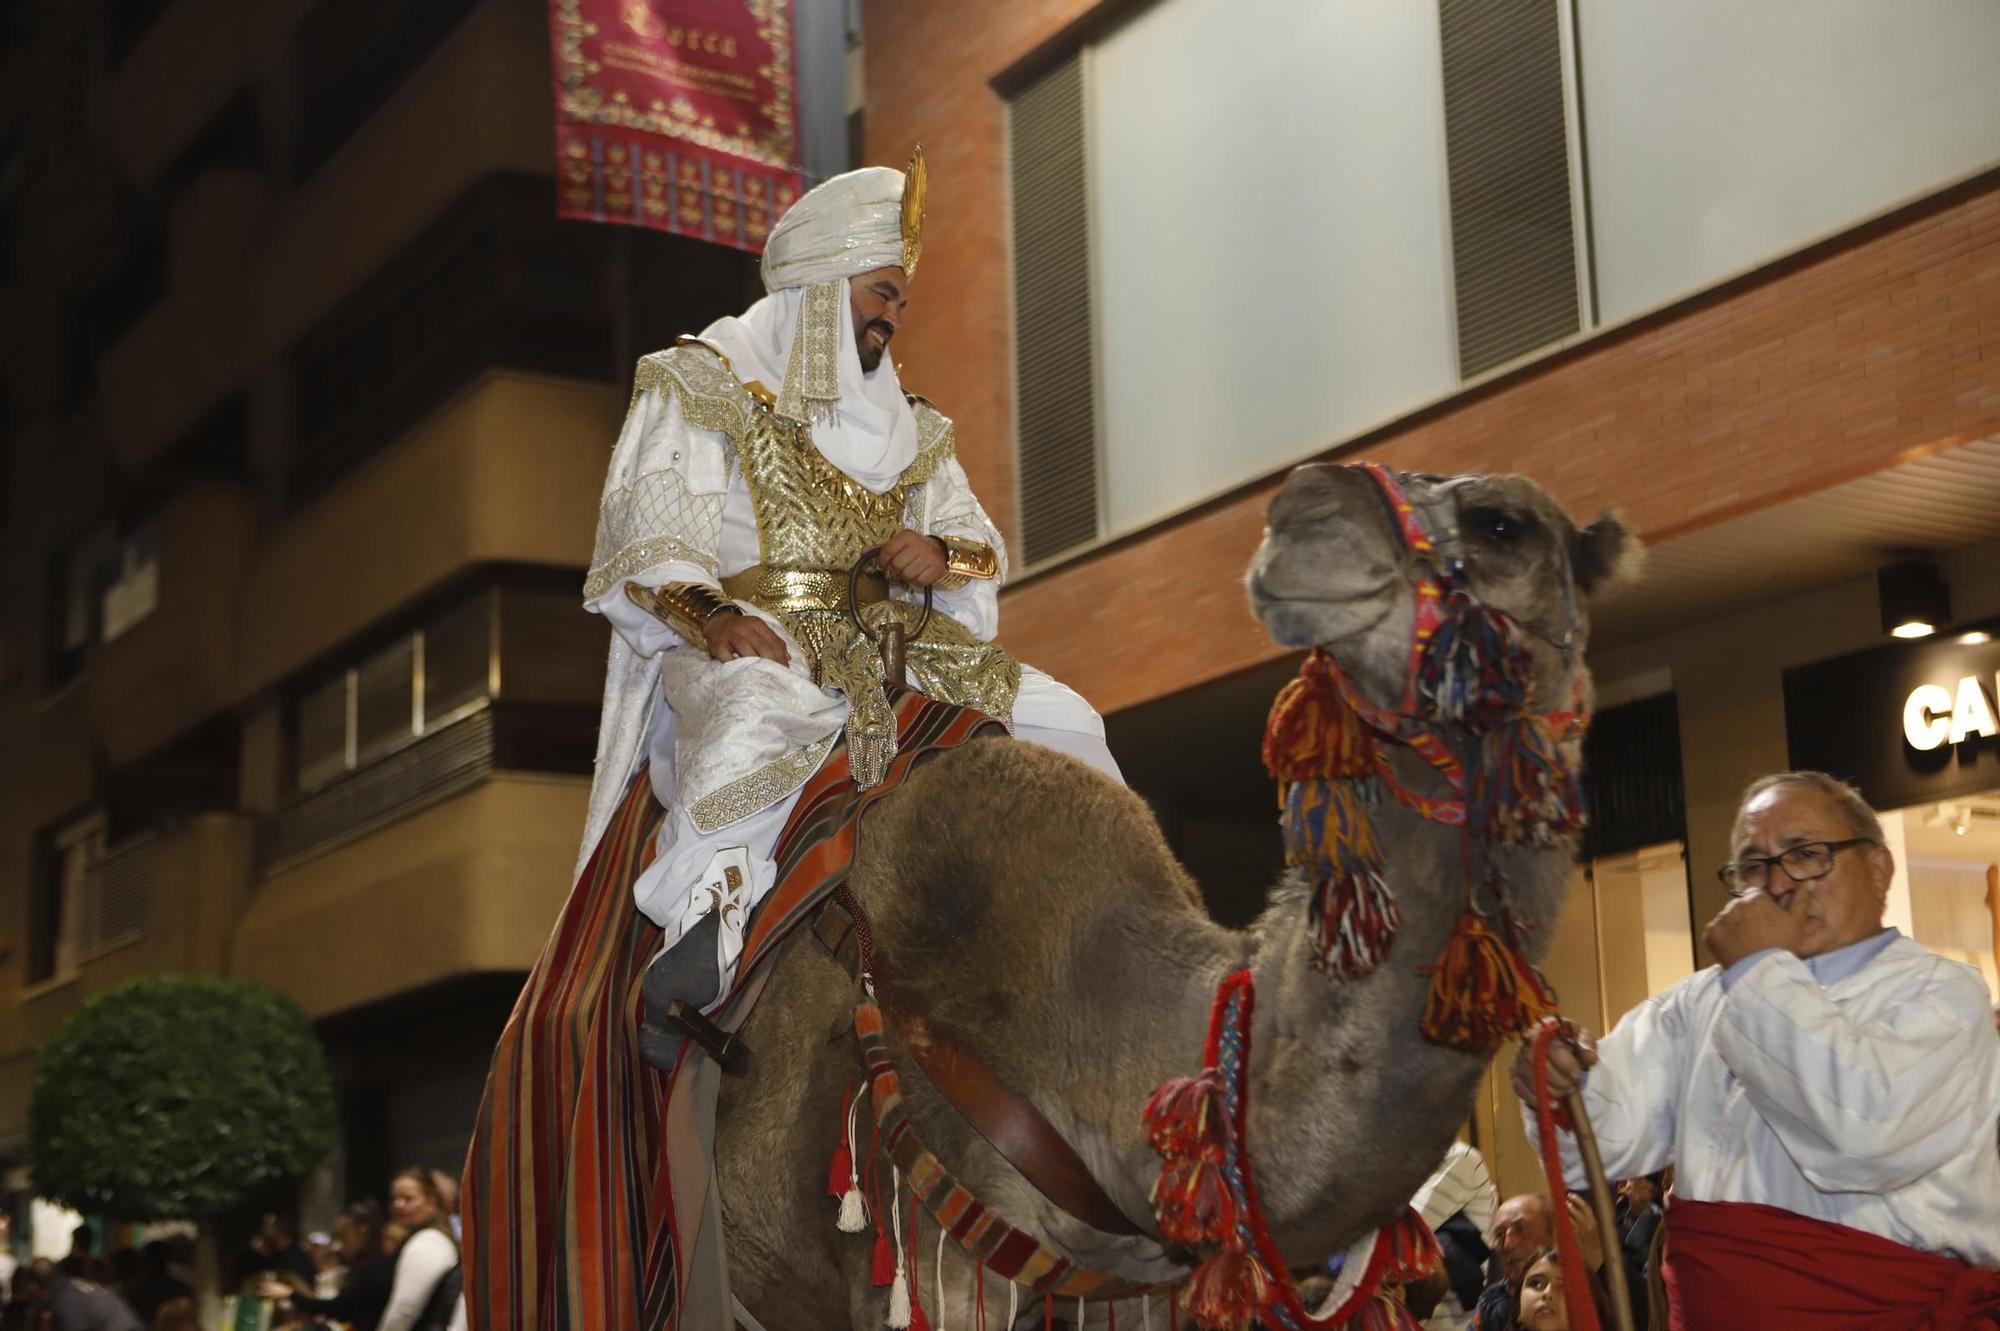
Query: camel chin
[1300,623]
[1356,609]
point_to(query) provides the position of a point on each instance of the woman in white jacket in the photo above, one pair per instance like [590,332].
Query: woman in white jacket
[425,1258]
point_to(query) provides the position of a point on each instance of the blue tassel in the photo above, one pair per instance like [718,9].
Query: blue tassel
[1525,792]
[1474,670]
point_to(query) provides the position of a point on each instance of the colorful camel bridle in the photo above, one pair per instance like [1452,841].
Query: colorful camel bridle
[1467,712]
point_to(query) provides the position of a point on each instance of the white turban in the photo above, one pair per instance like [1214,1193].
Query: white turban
[799,340]
[852,224]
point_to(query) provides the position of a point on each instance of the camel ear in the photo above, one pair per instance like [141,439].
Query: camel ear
[1605,552]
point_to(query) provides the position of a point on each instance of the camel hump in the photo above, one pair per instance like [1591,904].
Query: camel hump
[1000,835]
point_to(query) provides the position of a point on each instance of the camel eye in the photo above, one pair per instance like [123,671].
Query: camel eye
[1496,525]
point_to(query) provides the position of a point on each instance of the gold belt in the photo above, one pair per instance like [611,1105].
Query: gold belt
[781,590]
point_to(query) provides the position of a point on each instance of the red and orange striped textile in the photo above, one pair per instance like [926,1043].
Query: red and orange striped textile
[568,1200]
[1013,1254]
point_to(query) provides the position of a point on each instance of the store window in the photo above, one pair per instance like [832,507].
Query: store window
[1947,889]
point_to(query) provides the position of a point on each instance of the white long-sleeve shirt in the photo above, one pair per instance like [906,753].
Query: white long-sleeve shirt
[1860,1087]
[421,1262]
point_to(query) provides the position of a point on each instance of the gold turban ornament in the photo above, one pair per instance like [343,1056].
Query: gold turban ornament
[915,181]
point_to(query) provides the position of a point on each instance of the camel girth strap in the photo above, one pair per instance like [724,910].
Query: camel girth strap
[1007,1120]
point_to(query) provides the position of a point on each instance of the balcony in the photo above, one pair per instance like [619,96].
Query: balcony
[471,884]
[478,105]
[179,70]
[186,352]
[68,220]
[54,770]
[509,471]
[158,902]
[171,668]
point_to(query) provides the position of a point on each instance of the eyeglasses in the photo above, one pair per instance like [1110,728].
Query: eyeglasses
[1802,864]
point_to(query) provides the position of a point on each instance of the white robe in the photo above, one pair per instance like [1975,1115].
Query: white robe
[672,492]
[1863,1094]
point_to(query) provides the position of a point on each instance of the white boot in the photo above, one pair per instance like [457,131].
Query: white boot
[729,878]
[698,956]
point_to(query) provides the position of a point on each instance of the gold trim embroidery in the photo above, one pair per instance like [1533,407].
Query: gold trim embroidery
[639,557]
[936,441]
[811,391]
[759,790]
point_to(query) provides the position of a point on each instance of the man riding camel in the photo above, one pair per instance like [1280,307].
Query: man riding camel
[757,463]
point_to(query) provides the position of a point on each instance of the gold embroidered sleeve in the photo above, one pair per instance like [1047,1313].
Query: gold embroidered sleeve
[670,470]
[684,607]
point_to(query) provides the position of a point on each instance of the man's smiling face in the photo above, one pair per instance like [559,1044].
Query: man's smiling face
[877,300]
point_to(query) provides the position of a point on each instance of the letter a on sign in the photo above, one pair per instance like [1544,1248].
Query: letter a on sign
[1971,713]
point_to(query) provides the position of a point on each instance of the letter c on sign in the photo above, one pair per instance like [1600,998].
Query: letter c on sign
[1927,716]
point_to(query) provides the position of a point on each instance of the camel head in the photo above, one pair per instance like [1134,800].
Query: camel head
[1336,571]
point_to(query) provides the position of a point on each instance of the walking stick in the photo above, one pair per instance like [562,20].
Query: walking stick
[1601,1206]
[1593,1168]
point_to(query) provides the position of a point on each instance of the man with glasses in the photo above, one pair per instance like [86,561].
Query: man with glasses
[1828,1095]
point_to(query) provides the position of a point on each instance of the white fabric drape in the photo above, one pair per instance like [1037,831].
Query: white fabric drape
[875,437]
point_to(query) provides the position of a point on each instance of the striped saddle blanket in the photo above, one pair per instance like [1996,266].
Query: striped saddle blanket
[586,1201]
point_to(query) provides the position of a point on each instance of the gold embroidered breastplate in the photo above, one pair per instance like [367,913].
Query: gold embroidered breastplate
[813,522]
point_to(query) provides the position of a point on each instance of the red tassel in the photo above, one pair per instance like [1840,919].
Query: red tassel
[1192,1200]
[1412,1250]
[1313,731]
[883,1270]
[1383,1313]
[842,1168]
[1048,1312]
[1184,1116]
[918,1322]
[1354,918]
[1228,1291]
[1482,989]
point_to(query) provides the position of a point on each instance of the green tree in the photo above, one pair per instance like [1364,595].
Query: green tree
[174,1097]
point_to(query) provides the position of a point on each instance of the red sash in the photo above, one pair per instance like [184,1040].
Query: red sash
[1734,1266]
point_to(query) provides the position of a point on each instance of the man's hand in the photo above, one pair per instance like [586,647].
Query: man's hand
[1753,923]
[732,634]
[1566,1066]
[912,559]
[1589,1243]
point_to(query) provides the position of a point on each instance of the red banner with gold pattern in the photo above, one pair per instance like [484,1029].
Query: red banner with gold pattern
[679,115]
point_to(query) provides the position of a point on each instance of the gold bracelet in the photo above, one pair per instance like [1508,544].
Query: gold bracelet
[965,561]
[684,607]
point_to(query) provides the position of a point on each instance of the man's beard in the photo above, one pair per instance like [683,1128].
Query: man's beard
[871,355]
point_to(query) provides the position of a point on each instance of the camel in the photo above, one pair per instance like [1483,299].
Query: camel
[1031,907]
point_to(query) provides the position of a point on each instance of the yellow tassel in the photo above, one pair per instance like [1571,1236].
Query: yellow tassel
[1312,731]
[1482,989]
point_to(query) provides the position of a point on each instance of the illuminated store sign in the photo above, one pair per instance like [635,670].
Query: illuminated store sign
[1910,722]
[1934,715]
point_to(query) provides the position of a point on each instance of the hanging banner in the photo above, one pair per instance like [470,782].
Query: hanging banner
[678,115]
